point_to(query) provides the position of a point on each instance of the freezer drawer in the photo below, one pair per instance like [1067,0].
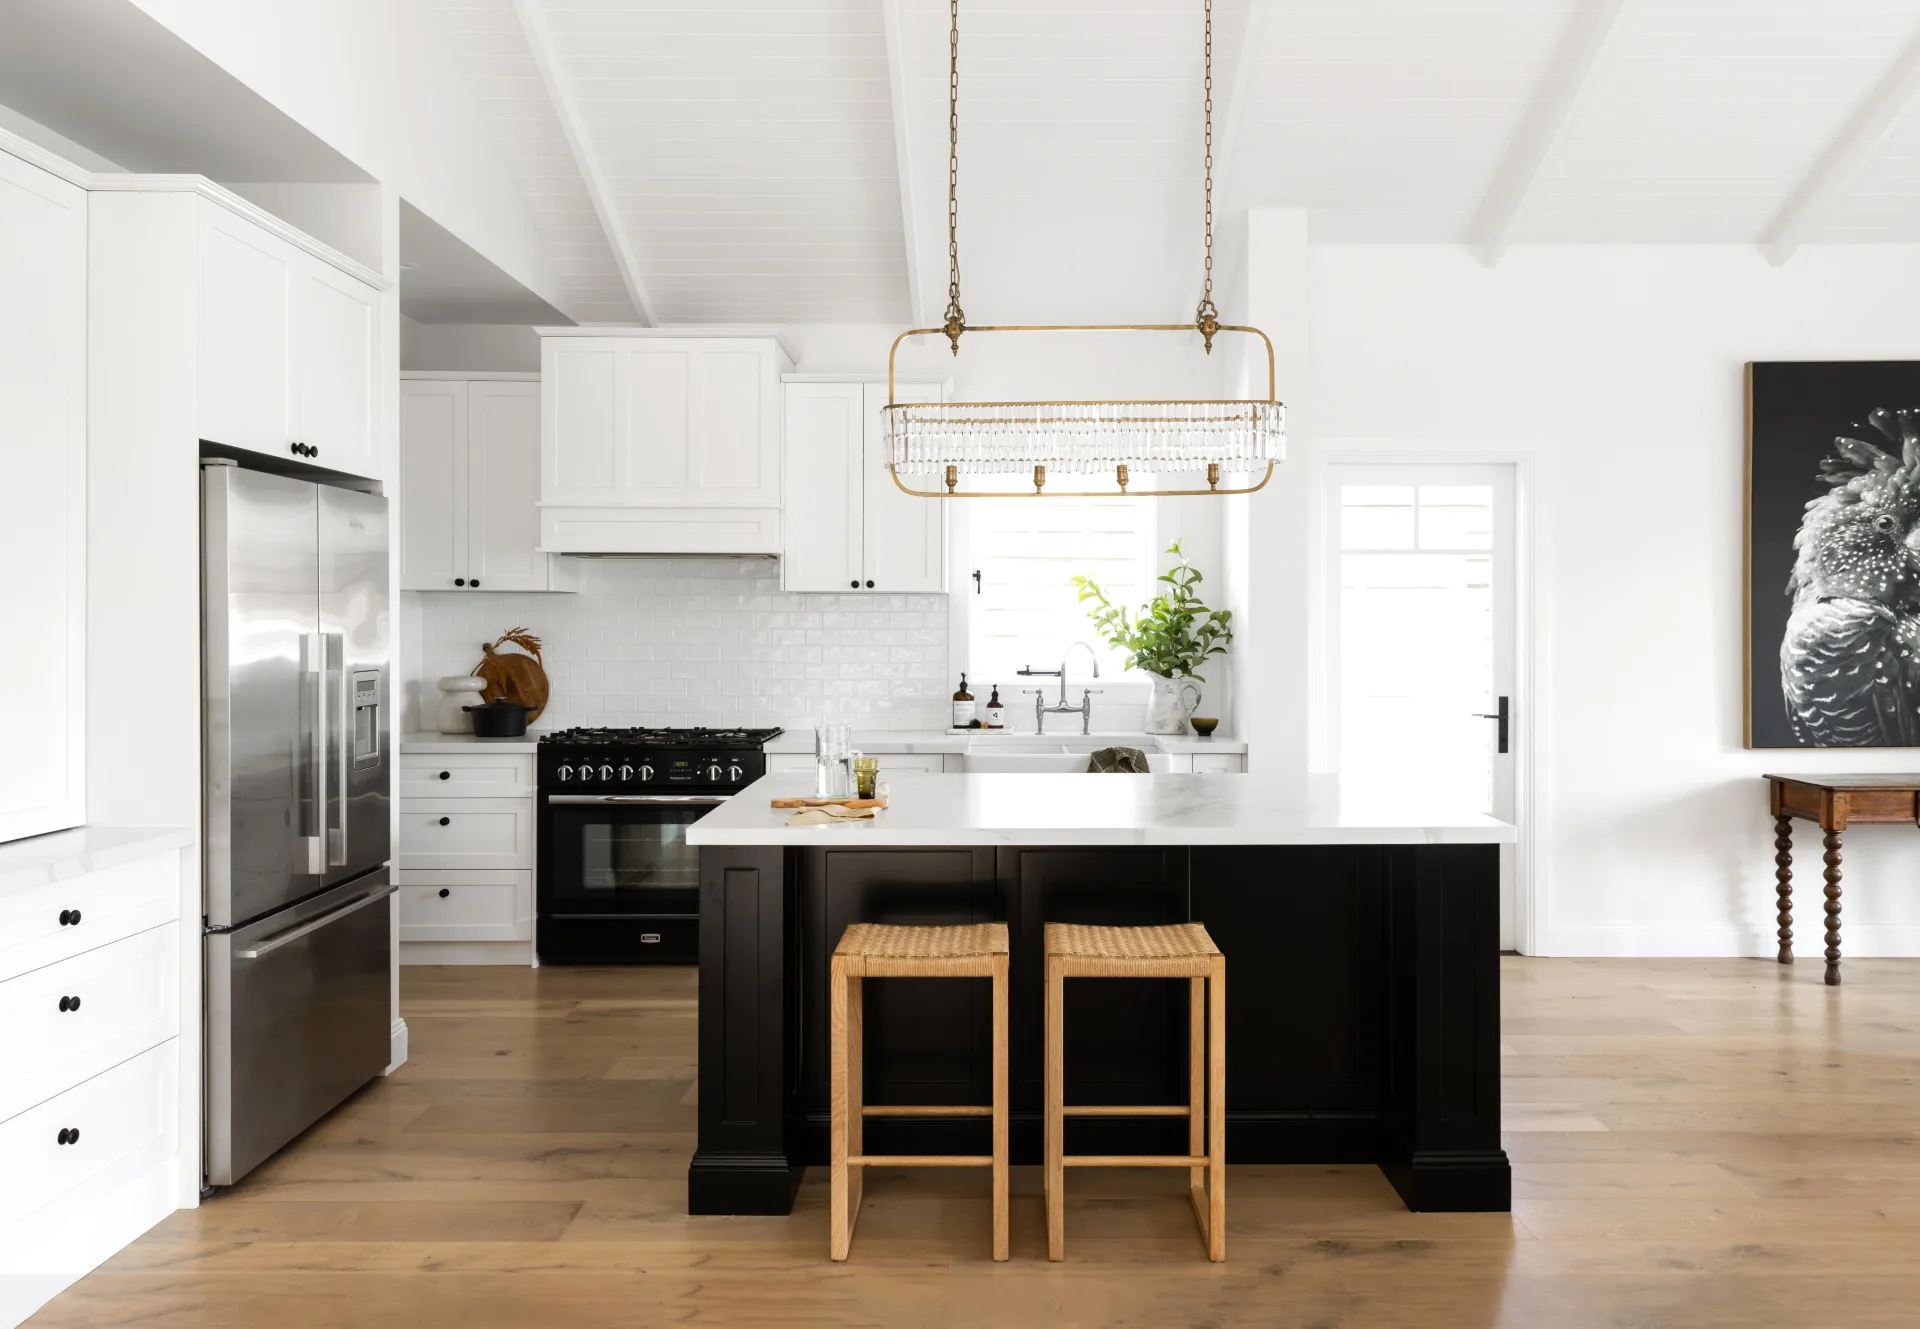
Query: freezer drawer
[298,1018]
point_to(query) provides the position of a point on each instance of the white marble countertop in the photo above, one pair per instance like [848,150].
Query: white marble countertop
[60,855]
[960,740]
[447,744]
[1097,810]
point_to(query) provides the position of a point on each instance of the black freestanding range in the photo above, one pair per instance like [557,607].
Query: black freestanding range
[617,882]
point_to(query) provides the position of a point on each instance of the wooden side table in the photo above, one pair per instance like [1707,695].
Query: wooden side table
[1835,802]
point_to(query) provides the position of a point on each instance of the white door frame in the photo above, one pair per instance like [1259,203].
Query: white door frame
[1529,734]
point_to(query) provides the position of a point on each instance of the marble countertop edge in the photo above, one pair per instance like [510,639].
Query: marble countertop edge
[63,855]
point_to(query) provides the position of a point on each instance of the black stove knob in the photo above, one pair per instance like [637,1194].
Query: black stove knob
[606,772]
[565,773]
[626,772]
[733,774]
[713,772]
[646,772]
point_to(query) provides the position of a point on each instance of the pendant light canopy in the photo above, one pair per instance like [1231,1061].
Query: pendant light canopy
[1241,438]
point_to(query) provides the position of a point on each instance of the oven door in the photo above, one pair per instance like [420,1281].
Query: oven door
[607,856]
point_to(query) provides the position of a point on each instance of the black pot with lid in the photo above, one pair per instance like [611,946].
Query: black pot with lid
[499,719]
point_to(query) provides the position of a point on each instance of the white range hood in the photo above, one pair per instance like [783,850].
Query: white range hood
[660,440]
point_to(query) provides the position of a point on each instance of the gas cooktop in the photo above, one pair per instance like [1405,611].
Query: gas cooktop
[660,738]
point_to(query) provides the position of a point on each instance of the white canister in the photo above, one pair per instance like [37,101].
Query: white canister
[456,691]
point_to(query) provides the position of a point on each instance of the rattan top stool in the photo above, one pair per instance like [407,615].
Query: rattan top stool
[1180,950]
[871,950]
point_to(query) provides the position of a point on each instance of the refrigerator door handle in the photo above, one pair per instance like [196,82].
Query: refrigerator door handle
[279,939]
[312,779]
[339,741]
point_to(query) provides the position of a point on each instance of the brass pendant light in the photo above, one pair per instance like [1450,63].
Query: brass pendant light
[949,440]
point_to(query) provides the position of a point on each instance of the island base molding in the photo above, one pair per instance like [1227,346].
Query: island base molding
[1363,1008]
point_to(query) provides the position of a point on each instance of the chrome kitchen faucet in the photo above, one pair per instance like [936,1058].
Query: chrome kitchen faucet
[1040,708]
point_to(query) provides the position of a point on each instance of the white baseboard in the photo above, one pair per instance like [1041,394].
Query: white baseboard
[398,1047]
[1868,941]
[467,952]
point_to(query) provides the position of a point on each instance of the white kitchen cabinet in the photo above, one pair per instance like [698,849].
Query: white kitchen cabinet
[43,398]
[469,471]
[638,426]
[466,886]
[848,526]
[289,348]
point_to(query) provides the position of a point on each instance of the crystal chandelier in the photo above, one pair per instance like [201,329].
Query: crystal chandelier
[948,440]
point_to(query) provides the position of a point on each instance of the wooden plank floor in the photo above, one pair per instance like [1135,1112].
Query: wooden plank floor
[1694,1143]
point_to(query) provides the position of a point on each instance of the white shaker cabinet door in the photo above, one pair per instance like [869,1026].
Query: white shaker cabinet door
[433,484]
[503,482]
[249,280]
[822,534]
[335,345]
[733,398]
[583,418]
[43,388]
[906,537]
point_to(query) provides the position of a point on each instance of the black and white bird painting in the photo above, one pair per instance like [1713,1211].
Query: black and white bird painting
[1833,554]
[1850,655]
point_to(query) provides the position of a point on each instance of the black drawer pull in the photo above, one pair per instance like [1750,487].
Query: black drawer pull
[446,821]
[446,775]
[69,1003]
[69,918]
[68,1135]
[459,581]
[444,892]
[475,583]
[869,583]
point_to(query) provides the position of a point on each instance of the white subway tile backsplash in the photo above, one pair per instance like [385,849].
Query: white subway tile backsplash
[702,641]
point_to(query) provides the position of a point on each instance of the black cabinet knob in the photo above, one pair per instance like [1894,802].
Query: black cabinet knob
[869,583]
[68,1135]
[446,821]
[313,450]
[476,583]
[69,1003]
[855,584]
[446,775]
[69,918]
[444,892]
[459,581]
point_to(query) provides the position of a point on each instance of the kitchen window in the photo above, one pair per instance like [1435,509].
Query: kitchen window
[1013,595]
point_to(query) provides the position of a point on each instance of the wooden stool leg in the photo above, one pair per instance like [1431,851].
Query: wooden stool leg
[839,1230]
[1002,1221]
[1783,883]
[1197,1086]
[856,1097]
[1832,860]
[1056,1180]
[1217,1112]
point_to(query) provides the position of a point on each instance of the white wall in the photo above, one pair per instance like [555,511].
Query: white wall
[1621,369]
[469,347]
[379,82]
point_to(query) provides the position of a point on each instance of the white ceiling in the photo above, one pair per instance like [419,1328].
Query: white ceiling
[443,280]
[746,152]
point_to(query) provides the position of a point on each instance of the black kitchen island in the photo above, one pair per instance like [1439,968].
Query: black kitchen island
[1363,985]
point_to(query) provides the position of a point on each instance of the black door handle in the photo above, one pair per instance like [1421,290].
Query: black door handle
[444,892]
[445,820]
[1503,715]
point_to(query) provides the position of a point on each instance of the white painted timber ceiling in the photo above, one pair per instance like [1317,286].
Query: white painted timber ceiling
[746,153]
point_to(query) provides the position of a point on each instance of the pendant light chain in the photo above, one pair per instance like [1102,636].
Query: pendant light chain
[1206,318]
[956,317]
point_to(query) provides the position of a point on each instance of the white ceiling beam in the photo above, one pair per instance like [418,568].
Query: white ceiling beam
[1580,66]
[903,159]
[567,107]
[1859,142]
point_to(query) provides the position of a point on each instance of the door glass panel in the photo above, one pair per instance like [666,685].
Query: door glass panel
[1416,640]
[625,860]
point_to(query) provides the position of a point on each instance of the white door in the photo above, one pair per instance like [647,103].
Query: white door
[1420,616]
[503,480]
[433,484]
[43,393]
[248,280]
[334,343]
[821,536]
[733,395]
[906,537]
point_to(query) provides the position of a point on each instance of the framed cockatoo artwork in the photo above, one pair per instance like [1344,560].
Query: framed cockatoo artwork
[1833,554]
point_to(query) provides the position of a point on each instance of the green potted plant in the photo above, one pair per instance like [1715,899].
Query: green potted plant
[1169,639]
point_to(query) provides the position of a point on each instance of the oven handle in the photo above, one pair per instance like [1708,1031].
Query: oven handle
[715,799]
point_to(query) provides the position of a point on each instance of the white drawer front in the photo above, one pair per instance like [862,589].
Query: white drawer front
[466,906]
[126,1109]
[108,905]
[1231,762]
[481,775]
[909,763]
[69,1021]
[442,833]
[789,763]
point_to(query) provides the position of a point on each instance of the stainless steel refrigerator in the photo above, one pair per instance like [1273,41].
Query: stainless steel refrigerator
[298,957]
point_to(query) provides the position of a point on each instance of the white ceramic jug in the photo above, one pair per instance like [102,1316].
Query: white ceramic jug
[457,690]
[1169,706]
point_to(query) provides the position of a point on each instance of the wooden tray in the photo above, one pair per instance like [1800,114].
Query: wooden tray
[879,801]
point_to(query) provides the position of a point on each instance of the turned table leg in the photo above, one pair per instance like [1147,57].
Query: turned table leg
[1832,859]
[1783,877]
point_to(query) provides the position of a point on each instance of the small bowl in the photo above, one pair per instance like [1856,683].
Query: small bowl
[1203,725]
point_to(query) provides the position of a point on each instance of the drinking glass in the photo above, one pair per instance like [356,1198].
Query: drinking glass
[866,772]
[833,761]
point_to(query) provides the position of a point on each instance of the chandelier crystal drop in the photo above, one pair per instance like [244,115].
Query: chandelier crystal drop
[1240,437]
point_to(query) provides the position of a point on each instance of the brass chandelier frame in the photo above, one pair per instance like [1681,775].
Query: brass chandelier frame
[1206,322]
